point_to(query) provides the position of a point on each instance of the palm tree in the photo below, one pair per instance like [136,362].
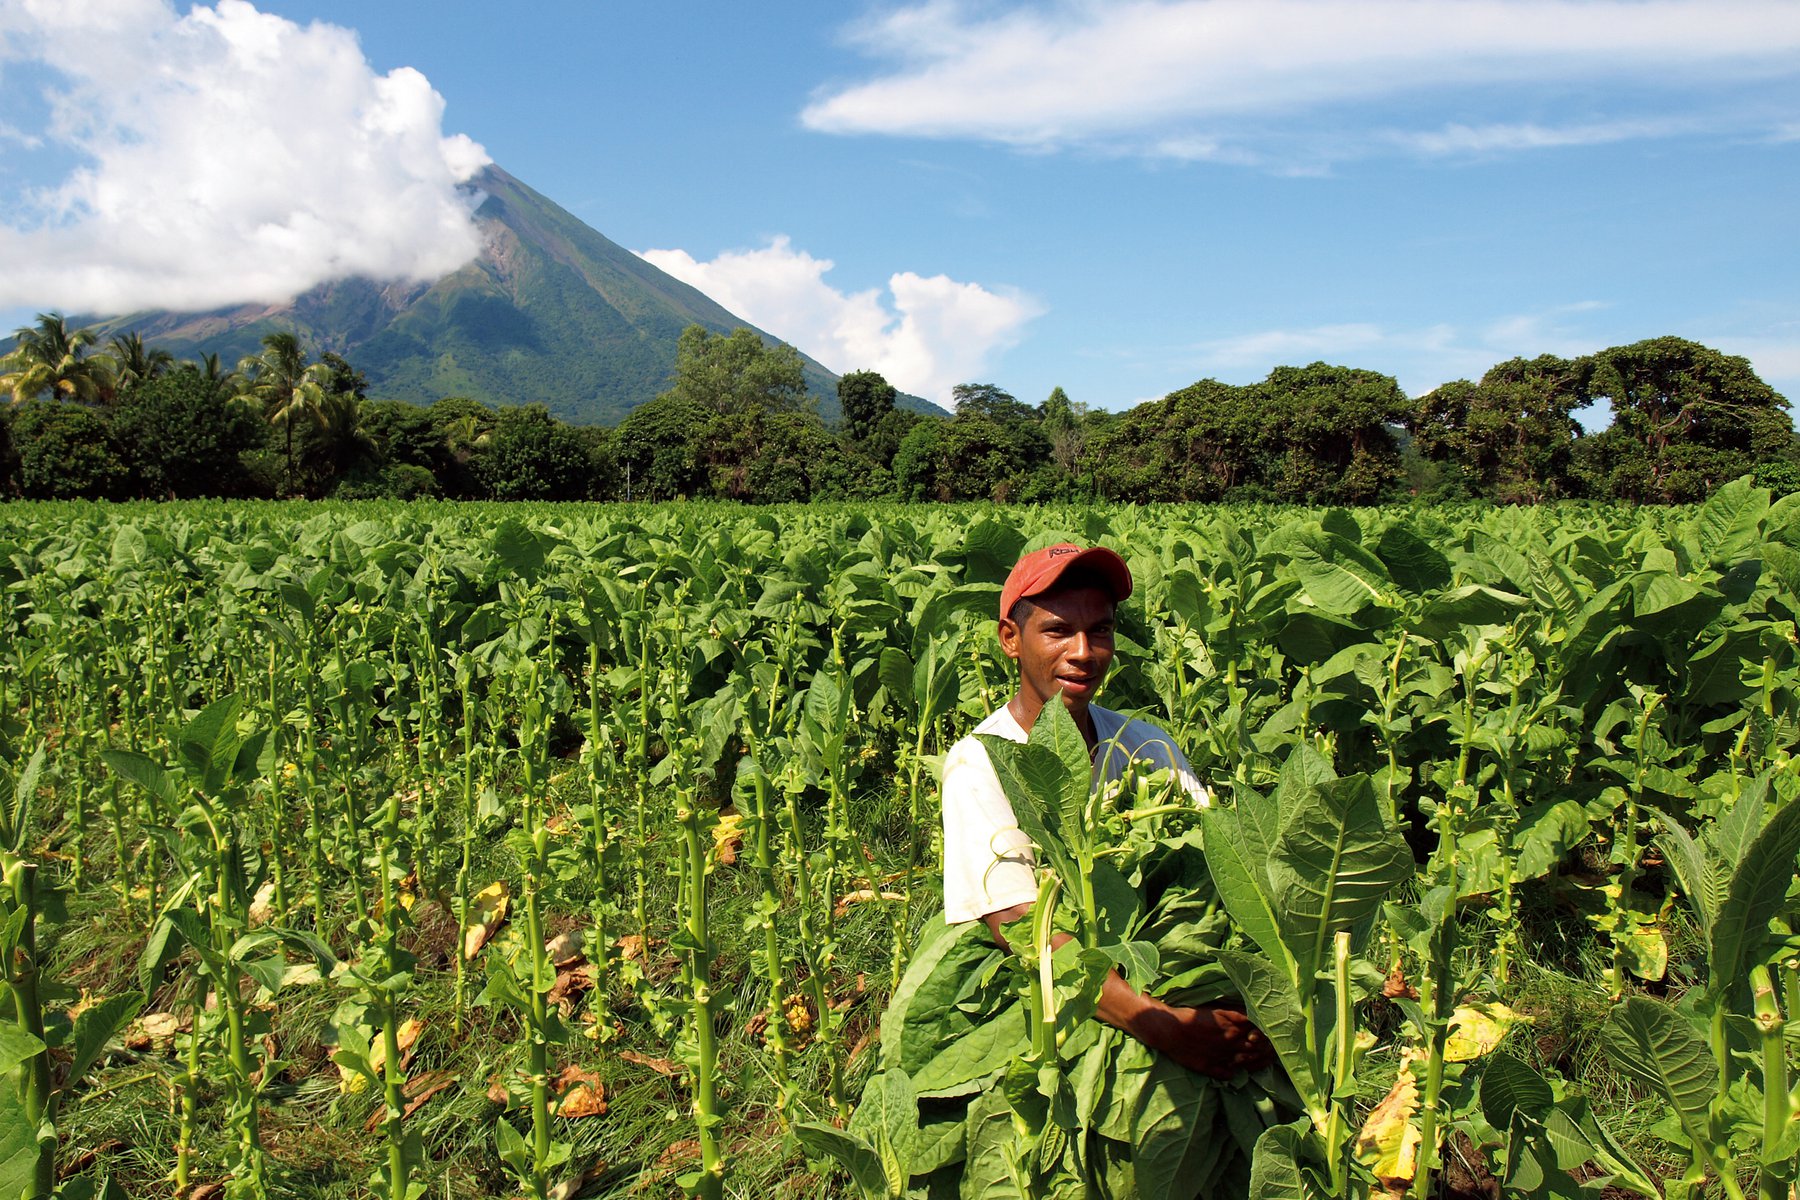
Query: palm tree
[51,358]
[348,441]
[281,381]
[134,363]
[467,435]
[219,383]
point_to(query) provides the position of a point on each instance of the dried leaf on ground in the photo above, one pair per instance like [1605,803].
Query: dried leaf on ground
[407,1035]
[566,949]
[418,1090]
[661,1066]
[861,896]
[77,1163]
[155,1031]
[571,984]
[573,1185]
[487,912]
[579,1093]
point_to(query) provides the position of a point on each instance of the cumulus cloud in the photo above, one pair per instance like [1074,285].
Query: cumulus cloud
[926,335]
[219,157]
[1259,80]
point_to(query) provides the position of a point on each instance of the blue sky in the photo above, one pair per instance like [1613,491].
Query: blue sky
[1115,198]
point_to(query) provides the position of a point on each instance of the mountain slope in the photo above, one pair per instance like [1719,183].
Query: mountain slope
[550,312]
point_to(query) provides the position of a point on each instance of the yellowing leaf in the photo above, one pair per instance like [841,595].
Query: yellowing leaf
[728,837]
[1476,1029]
[487,912]
[1647,952]
[1389,1141]
[351,1081]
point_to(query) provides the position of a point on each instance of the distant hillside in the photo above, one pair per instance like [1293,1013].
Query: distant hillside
[550,312]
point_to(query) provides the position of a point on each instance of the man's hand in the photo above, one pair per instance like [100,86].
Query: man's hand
[1210,1039]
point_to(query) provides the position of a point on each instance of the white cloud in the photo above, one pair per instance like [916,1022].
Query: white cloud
[1421,358]
[928,334]
[225,156]
[1491,139]
[1258,80]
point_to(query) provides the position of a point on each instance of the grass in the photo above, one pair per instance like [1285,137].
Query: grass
[124,1120]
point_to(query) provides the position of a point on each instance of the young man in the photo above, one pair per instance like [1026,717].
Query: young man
[1056,622]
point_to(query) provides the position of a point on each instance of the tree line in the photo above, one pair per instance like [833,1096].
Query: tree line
[736,422]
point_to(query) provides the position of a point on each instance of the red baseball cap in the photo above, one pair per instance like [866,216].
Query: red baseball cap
[1038,572]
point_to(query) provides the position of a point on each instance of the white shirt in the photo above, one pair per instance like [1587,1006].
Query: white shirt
[987,857]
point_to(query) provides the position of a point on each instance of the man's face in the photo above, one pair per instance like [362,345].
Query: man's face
[1065,641]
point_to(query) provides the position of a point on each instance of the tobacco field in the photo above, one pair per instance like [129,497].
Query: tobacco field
[418,850]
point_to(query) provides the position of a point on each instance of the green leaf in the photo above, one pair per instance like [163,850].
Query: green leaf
[164,944]
[1412,562]
[1336,859]
[25,788]
[1471,604]
[1508,1085]
[896,673]
[518,549]
[850,1152]
[133,767]
[1656,1045]
[887,1120]
[19,1149]
[941,684]
[1276,1172]
[97,1025]
[1243,884]
[1544,834]
[1274,1006]
[1701,882]
[1173,1134]
[1729,525]
[990,549]
[16,1046]
[1756,892]
[1337,574]
[512,1148]
[1035,782]
[208,744]
[988,1150]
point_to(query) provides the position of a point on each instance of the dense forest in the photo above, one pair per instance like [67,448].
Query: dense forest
[128,420]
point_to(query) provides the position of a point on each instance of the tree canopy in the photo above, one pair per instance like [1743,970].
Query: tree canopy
[735,423]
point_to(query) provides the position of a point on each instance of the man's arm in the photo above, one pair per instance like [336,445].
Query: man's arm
[1212,1040]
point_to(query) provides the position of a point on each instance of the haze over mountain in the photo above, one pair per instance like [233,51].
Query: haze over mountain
[549,312]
